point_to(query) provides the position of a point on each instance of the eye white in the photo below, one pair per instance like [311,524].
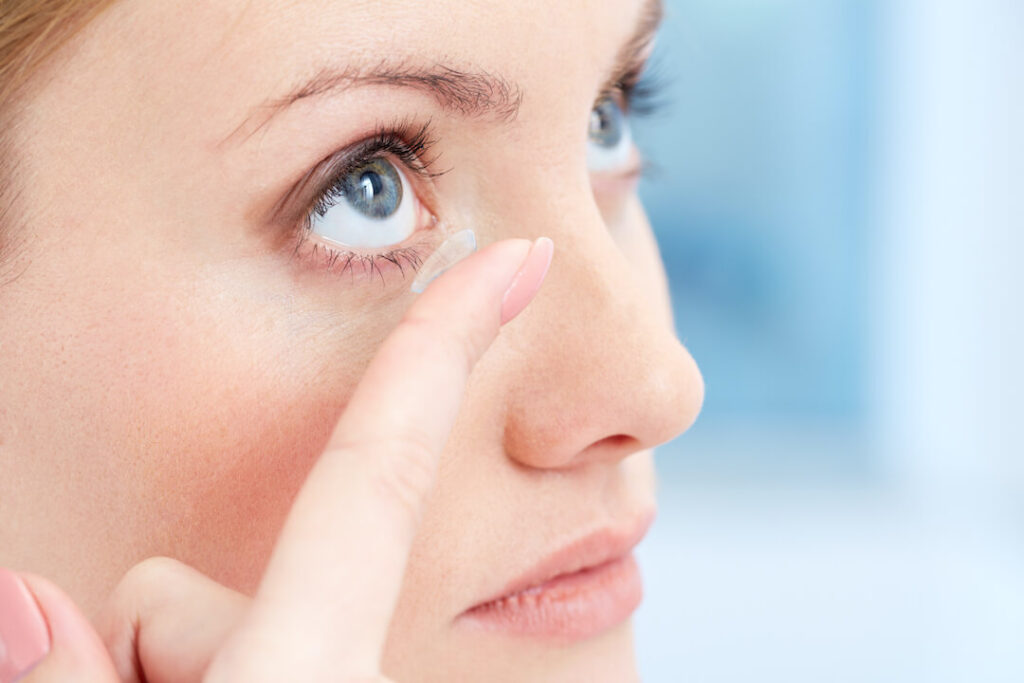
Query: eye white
[344,224]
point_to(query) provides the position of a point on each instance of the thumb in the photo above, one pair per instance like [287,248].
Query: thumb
[44,638]
[165,621]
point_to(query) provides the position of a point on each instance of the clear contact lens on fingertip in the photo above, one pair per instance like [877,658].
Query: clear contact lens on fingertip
[452,250]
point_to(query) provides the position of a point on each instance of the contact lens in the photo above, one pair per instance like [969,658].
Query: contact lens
[452,250]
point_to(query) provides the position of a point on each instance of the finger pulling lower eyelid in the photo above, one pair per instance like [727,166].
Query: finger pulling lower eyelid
[452,250]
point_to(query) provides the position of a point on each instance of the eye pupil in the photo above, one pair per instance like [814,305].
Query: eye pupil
[374,189]
[370,185]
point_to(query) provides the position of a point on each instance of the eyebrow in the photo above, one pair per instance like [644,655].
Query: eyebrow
[469,93]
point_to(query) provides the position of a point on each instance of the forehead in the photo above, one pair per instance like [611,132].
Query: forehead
[164,86]
[245,51]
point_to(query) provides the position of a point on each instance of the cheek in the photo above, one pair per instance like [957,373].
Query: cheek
[226,438]
[232,412]
[188,418]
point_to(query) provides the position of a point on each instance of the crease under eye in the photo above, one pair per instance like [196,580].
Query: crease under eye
[360,211]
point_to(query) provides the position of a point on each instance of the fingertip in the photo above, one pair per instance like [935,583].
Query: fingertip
[71,637]
[474,285]
[503,256]
[24,637]
[528,279]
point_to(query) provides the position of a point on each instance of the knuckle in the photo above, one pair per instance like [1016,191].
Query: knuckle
[474,344]
[152,575]
[139,591]
[405,471]
[459,346]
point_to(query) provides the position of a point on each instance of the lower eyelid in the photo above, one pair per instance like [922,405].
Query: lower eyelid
[385,267]
[628,175]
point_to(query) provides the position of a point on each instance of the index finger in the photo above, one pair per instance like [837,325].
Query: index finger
[335,574]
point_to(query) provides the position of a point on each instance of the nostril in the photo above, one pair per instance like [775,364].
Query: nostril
[616,446]
[618,441]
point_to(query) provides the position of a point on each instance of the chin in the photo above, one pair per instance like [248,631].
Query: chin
[604,658]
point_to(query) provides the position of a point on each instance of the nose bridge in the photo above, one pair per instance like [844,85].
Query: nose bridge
[602,373]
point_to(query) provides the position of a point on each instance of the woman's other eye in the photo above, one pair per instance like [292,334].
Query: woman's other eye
[610,143]
[368,205]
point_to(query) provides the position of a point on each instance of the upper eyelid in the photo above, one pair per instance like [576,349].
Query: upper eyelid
[299,201]
[641,88]
[633,73]
[351,157]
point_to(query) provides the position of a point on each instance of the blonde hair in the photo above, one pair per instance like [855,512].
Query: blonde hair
[31,31]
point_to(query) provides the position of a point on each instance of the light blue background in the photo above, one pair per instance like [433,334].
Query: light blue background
[839,205]
[759,198]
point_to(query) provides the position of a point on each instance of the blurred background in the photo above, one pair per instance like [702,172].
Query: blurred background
[839,197]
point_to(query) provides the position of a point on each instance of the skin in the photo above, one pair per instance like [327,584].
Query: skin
[171,371]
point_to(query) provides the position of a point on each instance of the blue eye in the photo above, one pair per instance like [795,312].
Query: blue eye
[607,123]
[610,144]
[367,207]
[374,189]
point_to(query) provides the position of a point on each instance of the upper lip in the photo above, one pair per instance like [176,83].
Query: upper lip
[591,550]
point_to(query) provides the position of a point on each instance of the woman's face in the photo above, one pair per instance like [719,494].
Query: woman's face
[176,348]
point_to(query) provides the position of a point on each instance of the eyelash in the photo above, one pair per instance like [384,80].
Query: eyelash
[411,145]
[640,90]
[402,141]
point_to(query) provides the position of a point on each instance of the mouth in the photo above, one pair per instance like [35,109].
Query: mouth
[581,589]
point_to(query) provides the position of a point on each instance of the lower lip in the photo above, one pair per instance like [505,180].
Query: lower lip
[569,607]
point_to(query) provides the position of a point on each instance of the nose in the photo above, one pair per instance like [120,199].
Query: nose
[602,373]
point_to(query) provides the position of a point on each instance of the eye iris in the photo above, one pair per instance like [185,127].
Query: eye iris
[607,123]
[374,189]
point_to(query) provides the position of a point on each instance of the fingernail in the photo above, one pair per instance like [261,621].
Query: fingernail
[528,280]
[24,637]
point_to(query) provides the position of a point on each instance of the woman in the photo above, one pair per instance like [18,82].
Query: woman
[211,215]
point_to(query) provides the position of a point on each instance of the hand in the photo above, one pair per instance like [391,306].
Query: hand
[324,604]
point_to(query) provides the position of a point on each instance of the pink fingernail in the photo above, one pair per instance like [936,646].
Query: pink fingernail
[528,280]
[24,637]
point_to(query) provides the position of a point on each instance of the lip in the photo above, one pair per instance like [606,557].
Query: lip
[577,591]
